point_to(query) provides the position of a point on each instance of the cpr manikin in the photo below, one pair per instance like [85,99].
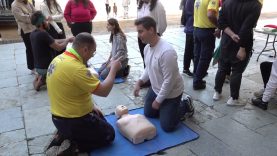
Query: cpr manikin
[135,127]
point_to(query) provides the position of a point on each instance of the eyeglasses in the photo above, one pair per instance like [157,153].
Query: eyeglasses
[93,52]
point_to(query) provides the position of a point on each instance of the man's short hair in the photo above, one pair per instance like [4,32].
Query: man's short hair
[147,22]
[83,39]
[37,18]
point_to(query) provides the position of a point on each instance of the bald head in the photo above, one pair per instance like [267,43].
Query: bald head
[85,46]
[83,39]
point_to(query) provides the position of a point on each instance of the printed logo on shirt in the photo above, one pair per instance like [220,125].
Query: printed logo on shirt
[60,57]
[51,69]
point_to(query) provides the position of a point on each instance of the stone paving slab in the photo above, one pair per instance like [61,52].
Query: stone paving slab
[208,144]
[12,137]
[37,145]
[17,148]
[11,119]
[38,122]
[242,139]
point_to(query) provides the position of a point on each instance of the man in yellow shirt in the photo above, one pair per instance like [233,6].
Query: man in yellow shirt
[205,22]
[70,85]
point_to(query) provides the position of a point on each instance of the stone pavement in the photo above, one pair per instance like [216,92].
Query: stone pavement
[26,122]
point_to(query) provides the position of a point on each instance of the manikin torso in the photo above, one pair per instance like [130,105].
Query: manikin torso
[135,127]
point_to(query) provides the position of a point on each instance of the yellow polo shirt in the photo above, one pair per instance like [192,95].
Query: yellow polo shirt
[69,85]
[201,8]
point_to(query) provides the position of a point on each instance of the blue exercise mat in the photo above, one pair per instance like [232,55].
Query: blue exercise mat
[123,147]
[116,80]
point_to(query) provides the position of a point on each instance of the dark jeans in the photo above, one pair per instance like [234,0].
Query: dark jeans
[266,71]
[188,55]
[78,28]
[237,67]
[56,35]
[141,49]
[169,112]
[29,51]
[204,44]
[88,132]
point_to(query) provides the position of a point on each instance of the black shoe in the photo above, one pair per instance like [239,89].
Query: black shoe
[258,102]
[188,73]
[126,71]
[187,108]
[199,86]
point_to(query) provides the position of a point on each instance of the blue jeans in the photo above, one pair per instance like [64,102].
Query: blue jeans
[204,44]
[169,112]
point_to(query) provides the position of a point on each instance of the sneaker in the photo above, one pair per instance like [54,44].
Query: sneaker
[258,102]
[126,71]
[186,107]
[235,102]
[188,73]
[189,106]
[216,96]
[259,93]
[199,86]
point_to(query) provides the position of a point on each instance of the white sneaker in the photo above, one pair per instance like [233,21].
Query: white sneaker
[236,102]
[259,93]
[216,96]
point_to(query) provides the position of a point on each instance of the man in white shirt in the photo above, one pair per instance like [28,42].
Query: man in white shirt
[164,96]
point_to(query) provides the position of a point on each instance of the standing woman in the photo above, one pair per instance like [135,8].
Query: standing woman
[22,11]
[79,15]
[53,12]
[119,49]
[155,9]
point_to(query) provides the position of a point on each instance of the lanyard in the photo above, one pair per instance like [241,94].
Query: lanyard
[72,52]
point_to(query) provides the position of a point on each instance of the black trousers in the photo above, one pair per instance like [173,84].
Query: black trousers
[88,132]
[141,49]
[56,35]
[265,68]
[78,28]
[188,54]
[236,67]
[29,51]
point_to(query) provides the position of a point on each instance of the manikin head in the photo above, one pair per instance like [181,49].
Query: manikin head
[120,111]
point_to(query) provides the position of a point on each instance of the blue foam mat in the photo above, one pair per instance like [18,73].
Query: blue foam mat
[123,147]
[116,80]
